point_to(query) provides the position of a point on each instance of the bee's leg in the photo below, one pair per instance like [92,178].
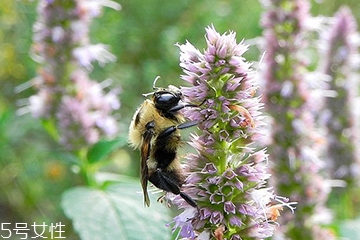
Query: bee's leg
[188,199]
[172,129]
[161,180]
[162,199]
[181,106]
[187,124]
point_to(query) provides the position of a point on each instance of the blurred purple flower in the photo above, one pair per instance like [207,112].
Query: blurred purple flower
[84,118]
[87,54]
[295,144]
[341,61]
[227,177]
[79,108]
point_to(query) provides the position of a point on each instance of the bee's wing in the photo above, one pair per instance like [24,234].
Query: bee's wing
[145,152]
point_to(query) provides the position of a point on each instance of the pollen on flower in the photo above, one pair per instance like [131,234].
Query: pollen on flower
[219,232]
[273,212]
[249,120]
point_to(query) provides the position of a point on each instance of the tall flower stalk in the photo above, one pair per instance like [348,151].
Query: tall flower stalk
[295,161]
[340,44]
[227,174]
[75,110]
[340,62]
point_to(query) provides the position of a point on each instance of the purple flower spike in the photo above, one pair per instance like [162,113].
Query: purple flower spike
[229,187]
[289,99]
[341,62]
[79,108]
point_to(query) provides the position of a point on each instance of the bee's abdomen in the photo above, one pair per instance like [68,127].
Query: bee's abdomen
[164,157]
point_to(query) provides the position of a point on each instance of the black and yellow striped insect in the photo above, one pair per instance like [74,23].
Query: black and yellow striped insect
[154,131]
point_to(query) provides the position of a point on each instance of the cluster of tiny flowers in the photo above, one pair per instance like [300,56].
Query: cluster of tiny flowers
[88,114]
[79,107]
[227,176]
[295,143]
[341,62]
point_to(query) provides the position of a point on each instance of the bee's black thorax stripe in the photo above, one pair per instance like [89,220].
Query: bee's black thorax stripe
[164,153]
[164,157]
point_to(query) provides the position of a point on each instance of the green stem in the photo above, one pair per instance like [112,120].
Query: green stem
[86,169]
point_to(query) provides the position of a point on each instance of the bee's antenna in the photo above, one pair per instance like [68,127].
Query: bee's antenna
[154,83]
[154,87]
[147,94]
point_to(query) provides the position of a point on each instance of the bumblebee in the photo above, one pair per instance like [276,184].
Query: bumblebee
[154,130]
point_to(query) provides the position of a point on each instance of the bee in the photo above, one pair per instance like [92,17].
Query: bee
[155,131]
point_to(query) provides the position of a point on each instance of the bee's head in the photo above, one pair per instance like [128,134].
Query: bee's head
[167,98]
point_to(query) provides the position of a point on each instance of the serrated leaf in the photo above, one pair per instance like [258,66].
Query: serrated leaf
[102,149]
[115,213]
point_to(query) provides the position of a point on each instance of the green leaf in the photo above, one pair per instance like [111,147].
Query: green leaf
[104,148]
[49,126]
[115,213]
[66,157]
[350,229]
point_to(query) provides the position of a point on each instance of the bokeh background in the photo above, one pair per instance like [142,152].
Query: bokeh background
[142,36]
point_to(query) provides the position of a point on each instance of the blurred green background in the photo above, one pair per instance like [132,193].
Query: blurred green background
[142,36]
